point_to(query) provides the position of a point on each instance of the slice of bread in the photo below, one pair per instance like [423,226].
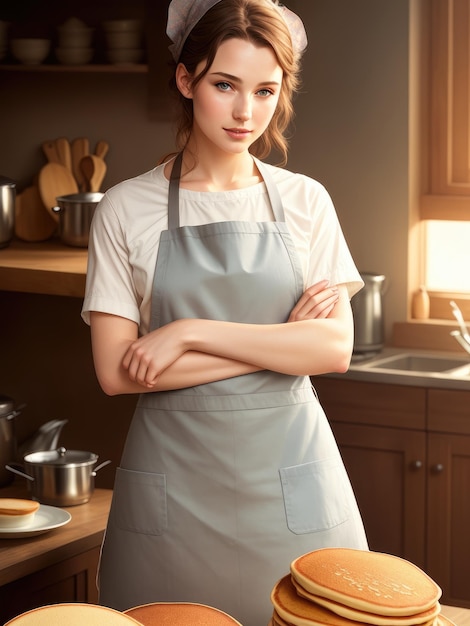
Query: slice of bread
[372,582]
[17,513]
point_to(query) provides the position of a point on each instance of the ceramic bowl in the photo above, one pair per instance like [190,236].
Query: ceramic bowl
[30,51]
[123,26]
[122,56]
[74,56]
[123,39]
[75,37]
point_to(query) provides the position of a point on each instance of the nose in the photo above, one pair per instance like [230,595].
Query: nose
[242,109]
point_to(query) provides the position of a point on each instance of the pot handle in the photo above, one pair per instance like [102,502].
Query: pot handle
[13,468]
[98,467]
[15,412]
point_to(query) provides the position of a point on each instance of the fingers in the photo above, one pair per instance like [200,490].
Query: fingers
[316,302]
[140,368]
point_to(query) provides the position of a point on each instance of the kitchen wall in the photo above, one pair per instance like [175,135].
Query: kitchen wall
[352,133]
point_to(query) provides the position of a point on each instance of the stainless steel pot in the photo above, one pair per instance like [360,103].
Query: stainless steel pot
[75,214]
[367,306]
[7,210]
[8,412]
[60,477]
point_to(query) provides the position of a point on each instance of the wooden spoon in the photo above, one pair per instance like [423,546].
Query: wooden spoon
[80,147]
[32,221]
[55,180]
[94,170]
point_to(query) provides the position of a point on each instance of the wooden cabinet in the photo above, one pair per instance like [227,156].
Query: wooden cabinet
[407,452]
[386,467]
[448,145]
[448,485]
[56,566]
[73,580]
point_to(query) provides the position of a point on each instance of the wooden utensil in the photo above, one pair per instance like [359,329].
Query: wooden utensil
[64,151]
[50,152]
[102,148]
[55,180]
[80,147]
[94,170]
[32,221]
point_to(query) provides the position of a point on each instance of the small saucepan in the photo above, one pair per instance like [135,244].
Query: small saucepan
[60,477]
[76,212]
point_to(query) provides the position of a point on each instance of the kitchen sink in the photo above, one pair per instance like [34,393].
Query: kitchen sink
[422,363]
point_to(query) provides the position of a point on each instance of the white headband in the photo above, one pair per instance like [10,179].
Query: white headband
[183,15]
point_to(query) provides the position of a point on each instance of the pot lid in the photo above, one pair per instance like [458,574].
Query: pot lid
[6,405]
[61,456]
[6,182]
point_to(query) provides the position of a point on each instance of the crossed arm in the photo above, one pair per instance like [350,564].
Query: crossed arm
[316,339]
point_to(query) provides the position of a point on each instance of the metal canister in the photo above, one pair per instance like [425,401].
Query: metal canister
[7,437]
[368,312]
[7,210]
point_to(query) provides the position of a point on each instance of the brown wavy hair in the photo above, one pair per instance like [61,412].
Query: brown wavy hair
[256,21]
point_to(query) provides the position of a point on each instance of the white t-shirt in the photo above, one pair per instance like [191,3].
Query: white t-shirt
[126,229]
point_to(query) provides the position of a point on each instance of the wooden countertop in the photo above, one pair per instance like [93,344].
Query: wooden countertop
[48,267]
[460,617]
[20,557]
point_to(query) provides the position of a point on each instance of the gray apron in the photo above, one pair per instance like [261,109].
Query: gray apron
[222,485]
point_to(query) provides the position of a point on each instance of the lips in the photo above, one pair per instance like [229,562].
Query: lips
[238,133]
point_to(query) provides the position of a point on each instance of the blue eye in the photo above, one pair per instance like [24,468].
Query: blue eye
[265,92]
[223,86]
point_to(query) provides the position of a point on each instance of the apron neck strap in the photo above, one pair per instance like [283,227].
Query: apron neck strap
[173,192]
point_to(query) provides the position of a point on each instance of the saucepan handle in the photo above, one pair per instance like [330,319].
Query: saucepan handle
[101,465]
[14,468]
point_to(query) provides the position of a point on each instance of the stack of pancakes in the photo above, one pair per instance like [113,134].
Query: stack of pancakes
[347,587]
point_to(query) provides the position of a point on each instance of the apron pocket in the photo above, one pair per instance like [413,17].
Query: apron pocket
[139,502]
[314,496]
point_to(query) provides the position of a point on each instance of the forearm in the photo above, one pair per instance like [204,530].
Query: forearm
[308,347]
[198,368]
[191,369]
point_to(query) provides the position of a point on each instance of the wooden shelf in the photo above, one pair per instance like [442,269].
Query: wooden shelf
[47,268]
[125,68]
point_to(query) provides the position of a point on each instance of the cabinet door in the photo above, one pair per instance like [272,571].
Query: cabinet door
[73,580]
[448,515]
[387,470]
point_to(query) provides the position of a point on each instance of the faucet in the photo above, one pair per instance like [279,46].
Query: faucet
[462,336]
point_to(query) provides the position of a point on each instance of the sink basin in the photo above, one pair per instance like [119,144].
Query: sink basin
[422,363]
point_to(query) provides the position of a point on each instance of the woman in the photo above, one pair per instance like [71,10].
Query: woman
[217,284]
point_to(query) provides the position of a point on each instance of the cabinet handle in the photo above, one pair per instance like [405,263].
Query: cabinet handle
[437,469]
[416,465]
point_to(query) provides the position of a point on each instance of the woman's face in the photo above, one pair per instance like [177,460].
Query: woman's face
[235,101]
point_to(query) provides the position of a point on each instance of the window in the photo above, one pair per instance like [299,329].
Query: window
[447,255]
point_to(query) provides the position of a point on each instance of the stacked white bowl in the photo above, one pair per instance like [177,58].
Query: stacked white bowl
[3,39]
[124,41]
[75,42]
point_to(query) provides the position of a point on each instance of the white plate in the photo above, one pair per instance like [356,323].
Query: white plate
[46,518]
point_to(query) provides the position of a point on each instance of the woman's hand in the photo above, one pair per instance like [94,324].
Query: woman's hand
[316,302]
[147,357]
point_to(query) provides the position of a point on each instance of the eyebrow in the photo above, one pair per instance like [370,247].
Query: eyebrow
[235,79]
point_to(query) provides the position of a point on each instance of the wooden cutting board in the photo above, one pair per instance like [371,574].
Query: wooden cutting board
[32,221]
[80,147]
[64,151]
[55,180]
